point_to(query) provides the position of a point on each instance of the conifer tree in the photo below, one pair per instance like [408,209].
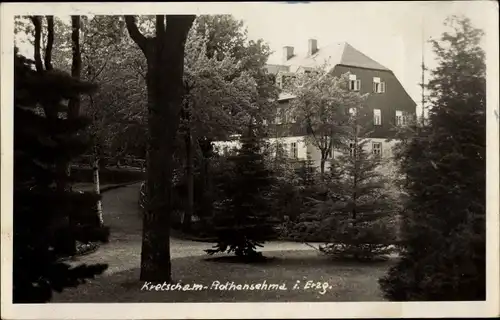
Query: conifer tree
[306,225]
[244,221]
[443,232]
[353,211]
[47,220]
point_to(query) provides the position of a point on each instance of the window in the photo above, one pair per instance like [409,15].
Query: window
[400,119]
[287,81]
[279,149]
[278,116]
[378,86]
[377,149]
[377,117]
[354,84]
[264,122]
[273,79]
[293,150]
[285,149]
[279,80]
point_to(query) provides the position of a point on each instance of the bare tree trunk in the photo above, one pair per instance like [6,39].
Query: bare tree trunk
[165,58]
[97,187]
[37,23]
[50,43]
[189,161]
[207,191]
[95,172]
[322,165]
[76,65]
[189,210]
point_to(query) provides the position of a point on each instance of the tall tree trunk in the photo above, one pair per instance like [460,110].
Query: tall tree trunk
[50,43]
[76,65]
[64,167]
[97,187]
[37,23]
[95,170]
[165,59]
[322,165]
[189,209]
[207,191]
[189,162]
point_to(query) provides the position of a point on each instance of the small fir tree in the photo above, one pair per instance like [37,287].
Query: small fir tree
[352,215]
[244,220]
[443,232]
[47,220]
[311,189]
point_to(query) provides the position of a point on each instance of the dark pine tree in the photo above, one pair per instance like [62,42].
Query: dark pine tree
[244,221]
[443,232]
[48,221]
[352,210]
[358,211]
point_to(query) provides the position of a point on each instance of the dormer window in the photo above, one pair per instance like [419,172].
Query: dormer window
[286,81]
[378,85]
[354,83]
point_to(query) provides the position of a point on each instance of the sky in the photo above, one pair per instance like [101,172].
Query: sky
[392,33]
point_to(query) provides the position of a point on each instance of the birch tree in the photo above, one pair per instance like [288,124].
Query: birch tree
[321,105]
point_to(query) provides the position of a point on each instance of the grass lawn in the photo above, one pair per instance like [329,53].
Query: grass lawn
[345,281]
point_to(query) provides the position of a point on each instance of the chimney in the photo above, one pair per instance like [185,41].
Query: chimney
[287,53]
[313,46]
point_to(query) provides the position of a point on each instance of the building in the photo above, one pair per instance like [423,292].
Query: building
[388,100]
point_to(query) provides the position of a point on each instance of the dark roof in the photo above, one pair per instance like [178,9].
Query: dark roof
[340,53]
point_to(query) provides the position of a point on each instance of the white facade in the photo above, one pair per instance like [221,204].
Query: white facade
[304,148]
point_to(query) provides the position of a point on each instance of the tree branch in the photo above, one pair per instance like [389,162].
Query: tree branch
[37,23]
[96,75]
[50,43]
[135,34]
[139,70]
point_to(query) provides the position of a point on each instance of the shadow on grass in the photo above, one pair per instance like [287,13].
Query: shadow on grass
[318,260]
[218,282]
[243,260]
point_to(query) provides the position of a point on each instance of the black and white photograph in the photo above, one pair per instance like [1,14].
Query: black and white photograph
[286,159]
